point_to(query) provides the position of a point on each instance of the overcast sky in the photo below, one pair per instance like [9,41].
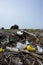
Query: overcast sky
[25,13]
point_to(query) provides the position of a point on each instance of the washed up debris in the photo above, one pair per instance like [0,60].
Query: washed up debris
[30,48]
[39,49]
[19,32]
[21,46]
[27,43]
[12,49]
[1,50]
[23,51]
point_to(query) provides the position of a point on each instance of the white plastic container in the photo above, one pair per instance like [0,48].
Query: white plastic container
[21,46]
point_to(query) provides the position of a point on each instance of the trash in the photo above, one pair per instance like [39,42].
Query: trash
[10,39]
[27,43]
[23,50]
[1,50]
[19,33]
[30,48]
[39,49]
[21,46]
[11,49]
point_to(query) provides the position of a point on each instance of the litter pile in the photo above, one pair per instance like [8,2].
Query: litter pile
[22,48]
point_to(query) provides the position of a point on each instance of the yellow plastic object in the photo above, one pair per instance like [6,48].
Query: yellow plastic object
[1,50]
[30,48]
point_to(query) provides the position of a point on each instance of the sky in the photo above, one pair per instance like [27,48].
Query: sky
[24,13]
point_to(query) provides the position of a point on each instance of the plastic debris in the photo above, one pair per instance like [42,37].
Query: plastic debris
[39,49]
[21,46]
[11,49]
[1,50]
[27,43]
[19,33]
[30,48]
